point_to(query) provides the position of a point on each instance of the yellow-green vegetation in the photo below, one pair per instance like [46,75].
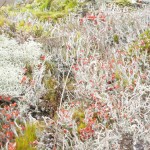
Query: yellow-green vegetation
[51,85]
[24,142]
[121,79]
[57,5]
[79,117]
[46,9]
[125,83]
[142,44]
[54,9]
[3,20]
[69,83]
[123,2]
[50,67]
[107,123]
[118,75]
[37,30]
[116,39]
[145,41]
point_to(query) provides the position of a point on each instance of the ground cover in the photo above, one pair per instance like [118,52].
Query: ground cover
[77,81]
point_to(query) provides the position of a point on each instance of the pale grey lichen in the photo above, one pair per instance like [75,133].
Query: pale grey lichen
[13,58]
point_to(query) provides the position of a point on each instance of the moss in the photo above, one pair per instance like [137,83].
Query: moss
[43,10]
[50,67]
[22,23]
[116,39]
[142,44]
[46,4]
[145,41]
[50,83]
[125,83]
[71,5]
[28,6]
[81,126]
[118,75]
[43,16]
[12,27]
[78,115]
[123,2]
[2,21]
[69,83]
[52,94]
[53,9]
[23,142]
[37,31]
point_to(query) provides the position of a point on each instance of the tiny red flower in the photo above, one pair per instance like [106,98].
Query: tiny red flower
[142,42]
[81,21]
[42,57]
[23,79]
[9,134]
[12,146]
[131,87]
[116,86]
[5,126]
[6,107]
[113,76]
[14,104]
[103,18]
[8,116]
[65,131]
[7,98]
[91,17]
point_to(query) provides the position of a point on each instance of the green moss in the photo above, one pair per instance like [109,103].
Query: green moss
[78,115]
[50,67]
[123,2]
[2,21]
[52,93]
[50,83]
[46,4]
[142,44]
[43,16]
[37,30]
[12,27]
[70,84]
[43,10]
[125,83]
[81,126]
[118,75]
[23,142]
[116,39]
[145,41]
[22,23]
